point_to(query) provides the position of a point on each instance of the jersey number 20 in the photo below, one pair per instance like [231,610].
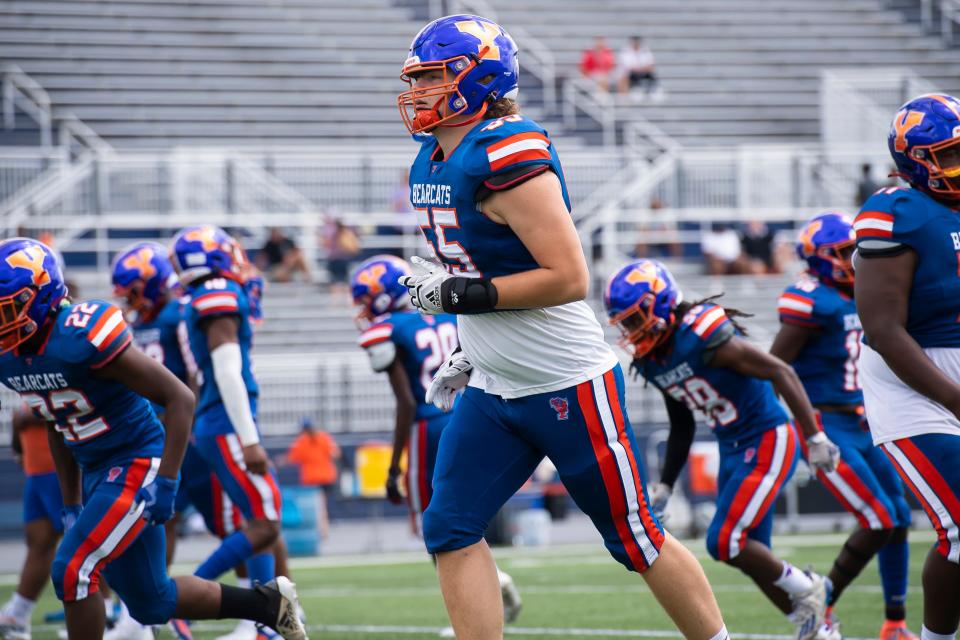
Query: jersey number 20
[442,341]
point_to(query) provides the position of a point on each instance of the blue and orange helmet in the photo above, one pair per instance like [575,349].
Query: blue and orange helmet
[207,250]
[826,244]
[924,140]
[640,300]
[376,289]
[143,276]
[478,60]
[31,289]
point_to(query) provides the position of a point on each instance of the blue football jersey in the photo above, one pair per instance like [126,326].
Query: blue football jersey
[827,365]
[444,193]
[209,299]
[896,217]
[159,339]
[103,422]
[423,343]
[735,406]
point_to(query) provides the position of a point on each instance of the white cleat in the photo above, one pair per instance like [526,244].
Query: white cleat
[245,630]
[288,624]
[126,628]
[512,604]
[809,609]
[829,631]
[13,629]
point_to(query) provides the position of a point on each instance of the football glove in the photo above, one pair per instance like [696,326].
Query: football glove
[822,454]
[425,289]
[449,379]
[659,497]
[69,515]
[157,498]
[393,486]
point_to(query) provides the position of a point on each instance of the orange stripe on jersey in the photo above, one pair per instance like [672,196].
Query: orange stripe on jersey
[874,224]
[108,327]
[506,142]
[523,156]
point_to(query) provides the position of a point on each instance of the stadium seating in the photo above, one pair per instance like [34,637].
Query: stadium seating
[738,71]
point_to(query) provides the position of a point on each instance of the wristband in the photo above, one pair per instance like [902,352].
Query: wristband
[468,295]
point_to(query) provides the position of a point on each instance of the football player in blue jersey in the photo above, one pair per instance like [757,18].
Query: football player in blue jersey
[694,353]
[410,348]
[144,278]
[820,336]
[218,318]
[70,363]
[540,380]
[908,298]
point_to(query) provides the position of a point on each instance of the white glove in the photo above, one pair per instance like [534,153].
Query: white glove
[424,289]
[449,379]
[822,454]
[659,497]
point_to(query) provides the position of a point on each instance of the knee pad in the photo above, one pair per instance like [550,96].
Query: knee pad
[155,610]
[442,533]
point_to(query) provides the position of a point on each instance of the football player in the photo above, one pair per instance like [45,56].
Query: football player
[42,526]
[820,336]
[908,298]
[218,319]
[409,348]
[490,196]
[70,362]
[694,353]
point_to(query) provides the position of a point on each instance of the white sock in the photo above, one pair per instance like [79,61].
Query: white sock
[793,580]
[21,608]
[244,583]
[926,634]
[723,634]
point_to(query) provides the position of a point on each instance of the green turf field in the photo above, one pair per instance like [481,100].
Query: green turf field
[570,592]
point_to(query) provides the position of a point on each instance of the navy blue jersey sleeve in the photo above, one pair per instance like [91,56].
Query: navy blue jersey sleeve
[800,305]
[508,145]
[888,221]
[95,333]
[218,297]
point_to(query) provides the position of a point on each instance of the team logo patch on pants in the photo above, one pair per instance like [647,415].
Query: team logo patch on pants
[561,406]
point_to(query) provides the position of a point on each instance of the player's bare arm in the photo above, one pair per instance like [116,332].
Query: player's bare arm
[152,380]
[405,415]
[790,341]
[222,332]
[68,471]
[882,293]
[536,212]
[745,358]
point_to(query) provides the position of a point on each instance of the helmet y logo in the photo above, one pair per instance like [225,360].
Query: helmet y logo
[30,258]
[141,262]
[486,33]
[903,123]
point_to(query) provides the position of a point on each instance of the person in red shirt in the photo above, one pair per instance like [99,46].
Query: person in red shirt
[42,526]
[598,62]
[317,454]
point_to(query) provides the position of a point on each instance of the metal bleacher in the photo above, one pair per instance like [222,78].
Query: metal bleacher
[152,73]
[738,71]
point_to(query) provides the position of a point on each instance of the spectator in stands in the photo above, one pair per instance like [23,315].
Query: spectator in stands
[317,454]
[722,250]
[756,239]
[658,225]
[867,185]
[637,69]
[280,258]
[343,246]
[598,62]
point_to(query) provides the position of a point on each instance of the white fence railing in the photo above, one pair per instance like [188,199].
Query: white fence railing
[858,105]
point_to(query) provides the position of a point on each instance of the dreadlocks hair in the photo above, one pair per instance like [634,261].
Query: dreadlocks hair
[732,314]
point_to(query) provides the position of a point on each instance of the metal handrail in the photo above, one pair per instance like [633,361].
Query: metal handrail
[583,95]
[34,101]
[538,58]
[72,129]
